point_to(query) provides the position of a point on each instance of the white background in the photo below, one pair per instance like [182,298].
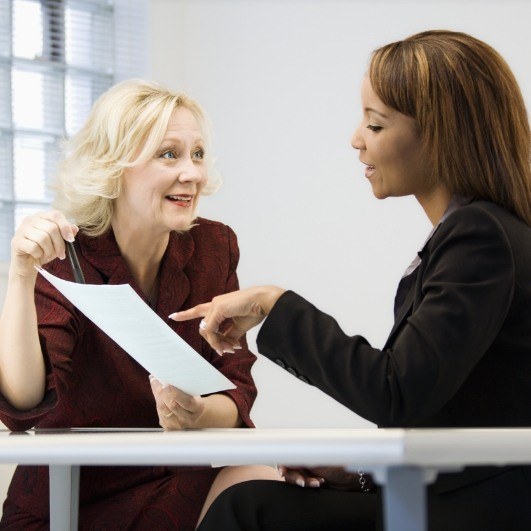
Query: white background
[280,80]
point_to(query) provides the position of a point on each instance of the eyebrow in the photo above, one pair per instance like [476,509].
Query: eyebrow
[370,109]
[172,140]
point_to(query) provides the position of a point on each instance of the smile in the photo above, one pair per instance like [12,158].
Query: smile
[180,200]
[369,170]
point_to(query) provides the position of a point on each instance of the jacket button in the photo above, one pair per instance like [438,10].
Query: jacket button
[280,363]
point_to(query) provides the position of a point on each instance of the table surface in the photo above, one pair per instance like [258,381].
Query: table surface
[435,448]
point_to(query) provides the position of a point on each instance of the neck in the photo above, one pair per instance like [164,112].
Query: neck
[142,252]
[435,202]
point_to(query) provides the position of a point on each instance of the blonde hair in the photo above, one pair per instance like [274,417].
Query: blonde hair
[470,111]
[125,127]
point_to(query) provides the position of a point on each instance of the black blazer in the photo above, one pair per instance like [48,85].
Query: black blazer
[459,353]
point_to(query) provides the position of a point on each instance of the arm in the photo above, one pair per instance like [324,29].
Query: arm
[228,409]
[39,240]
[463,294]
[466,288]
[236,367]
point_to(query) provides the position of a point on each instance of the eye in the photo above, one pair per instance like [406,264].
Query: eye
[374,128]
[199,154]
[169,154]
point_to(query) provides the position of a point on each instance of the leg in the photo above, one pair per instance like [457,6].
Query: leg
[231,475]
[276,506]
[494,504]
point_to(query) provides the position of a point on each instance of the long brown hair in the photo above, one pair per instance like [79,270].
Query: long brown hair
[470,112]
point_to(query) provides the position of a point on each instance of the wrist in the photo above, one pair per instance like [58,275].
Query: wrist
[269,298]
[22,279]
[22,270]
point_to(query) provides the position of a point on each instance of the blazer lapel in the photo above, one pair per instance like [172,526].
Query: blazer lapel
[104,255]
[403,302]
[174,285]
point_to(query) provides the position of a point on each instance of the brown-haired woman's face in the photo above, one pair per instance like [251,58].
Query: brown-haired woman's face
[390,147]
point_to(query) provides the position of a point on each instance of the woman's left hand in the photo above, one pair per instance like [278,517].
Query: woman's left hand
[333,477]
[177,410]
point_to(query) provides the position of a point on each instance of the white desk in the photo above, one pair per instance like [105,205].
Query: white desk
[403,461]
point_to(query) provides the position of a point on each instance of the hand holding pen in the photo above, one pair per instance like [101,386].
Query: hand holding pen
[39,239]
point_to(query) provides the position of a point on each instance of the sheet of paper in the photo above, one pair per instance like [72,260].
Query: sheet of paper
[128,320]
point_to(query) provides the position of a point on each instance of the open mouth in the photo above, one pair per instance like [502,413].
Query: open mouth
[369,170]
[181,200]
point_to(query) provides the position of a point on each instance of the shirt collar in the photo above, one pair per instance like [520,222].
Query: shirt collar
[456,202]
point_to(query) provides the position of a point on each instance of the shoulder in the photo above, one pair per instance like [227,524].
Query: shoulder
[483,218]
[214,243]
[480,237]
[207,229]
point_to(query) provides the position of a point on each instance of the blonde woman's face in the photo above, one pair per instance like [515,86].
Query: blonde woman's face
[390,147]
[161,194]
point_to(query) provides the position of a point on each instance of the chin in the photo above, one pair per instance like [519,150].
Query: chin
[379,194]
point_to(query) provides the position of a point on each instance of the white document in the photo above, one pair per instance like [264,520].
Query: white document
[128,320]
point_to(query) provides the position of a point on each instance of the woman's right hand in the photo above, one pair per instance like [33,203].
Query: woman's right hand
[39,240]
[236,312]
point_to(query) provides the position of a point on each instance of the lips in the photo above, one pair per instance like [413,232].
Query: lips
[182,200]
[369,170]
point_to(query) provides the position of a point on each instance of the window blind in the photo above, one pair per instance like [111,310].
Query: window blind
[56,58]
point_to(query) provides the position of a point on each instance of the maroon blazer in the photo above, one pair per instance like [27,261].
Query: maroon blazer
[91,381]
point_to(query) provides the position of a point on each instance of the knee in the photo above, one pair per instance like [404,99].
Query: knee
[236,508]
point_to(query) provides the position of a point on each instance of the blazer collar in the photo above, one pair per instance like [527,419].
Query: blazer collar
[104,255]
[409,279]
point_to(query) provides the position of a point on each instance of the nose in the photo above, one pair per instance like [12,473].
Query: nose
[357,141]
[191,172]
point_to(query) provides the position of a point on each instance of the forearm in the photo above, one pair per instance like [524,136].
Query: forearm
[220,412]
[22,369]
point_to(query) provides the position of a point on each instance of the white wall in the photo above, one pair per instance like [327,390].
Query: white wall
[280,80]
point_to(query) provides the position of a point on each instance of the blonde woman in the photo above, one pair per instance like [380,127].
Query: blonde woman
[127,193]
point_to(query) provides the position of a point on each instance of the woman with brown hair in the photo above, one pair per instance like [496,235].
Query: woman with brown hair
[443,120]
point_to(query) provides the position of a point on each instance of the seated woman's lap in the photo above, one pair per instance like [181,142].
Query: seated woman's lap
[276,506]
[501,502]
[233,475]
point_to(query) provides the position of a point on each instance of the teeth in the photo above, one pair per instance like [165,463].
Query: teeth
[179,198]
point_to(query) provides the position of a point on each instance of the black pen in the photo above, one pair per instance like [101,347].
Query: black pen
[74,262]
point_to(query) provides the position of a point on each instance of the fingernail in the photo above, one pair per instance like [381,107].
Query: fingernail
[236,347]
[300,482]
[228,351]
[70,238]
[151,377]
[219,352]
[172,315]
[62,256]
[314,483]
